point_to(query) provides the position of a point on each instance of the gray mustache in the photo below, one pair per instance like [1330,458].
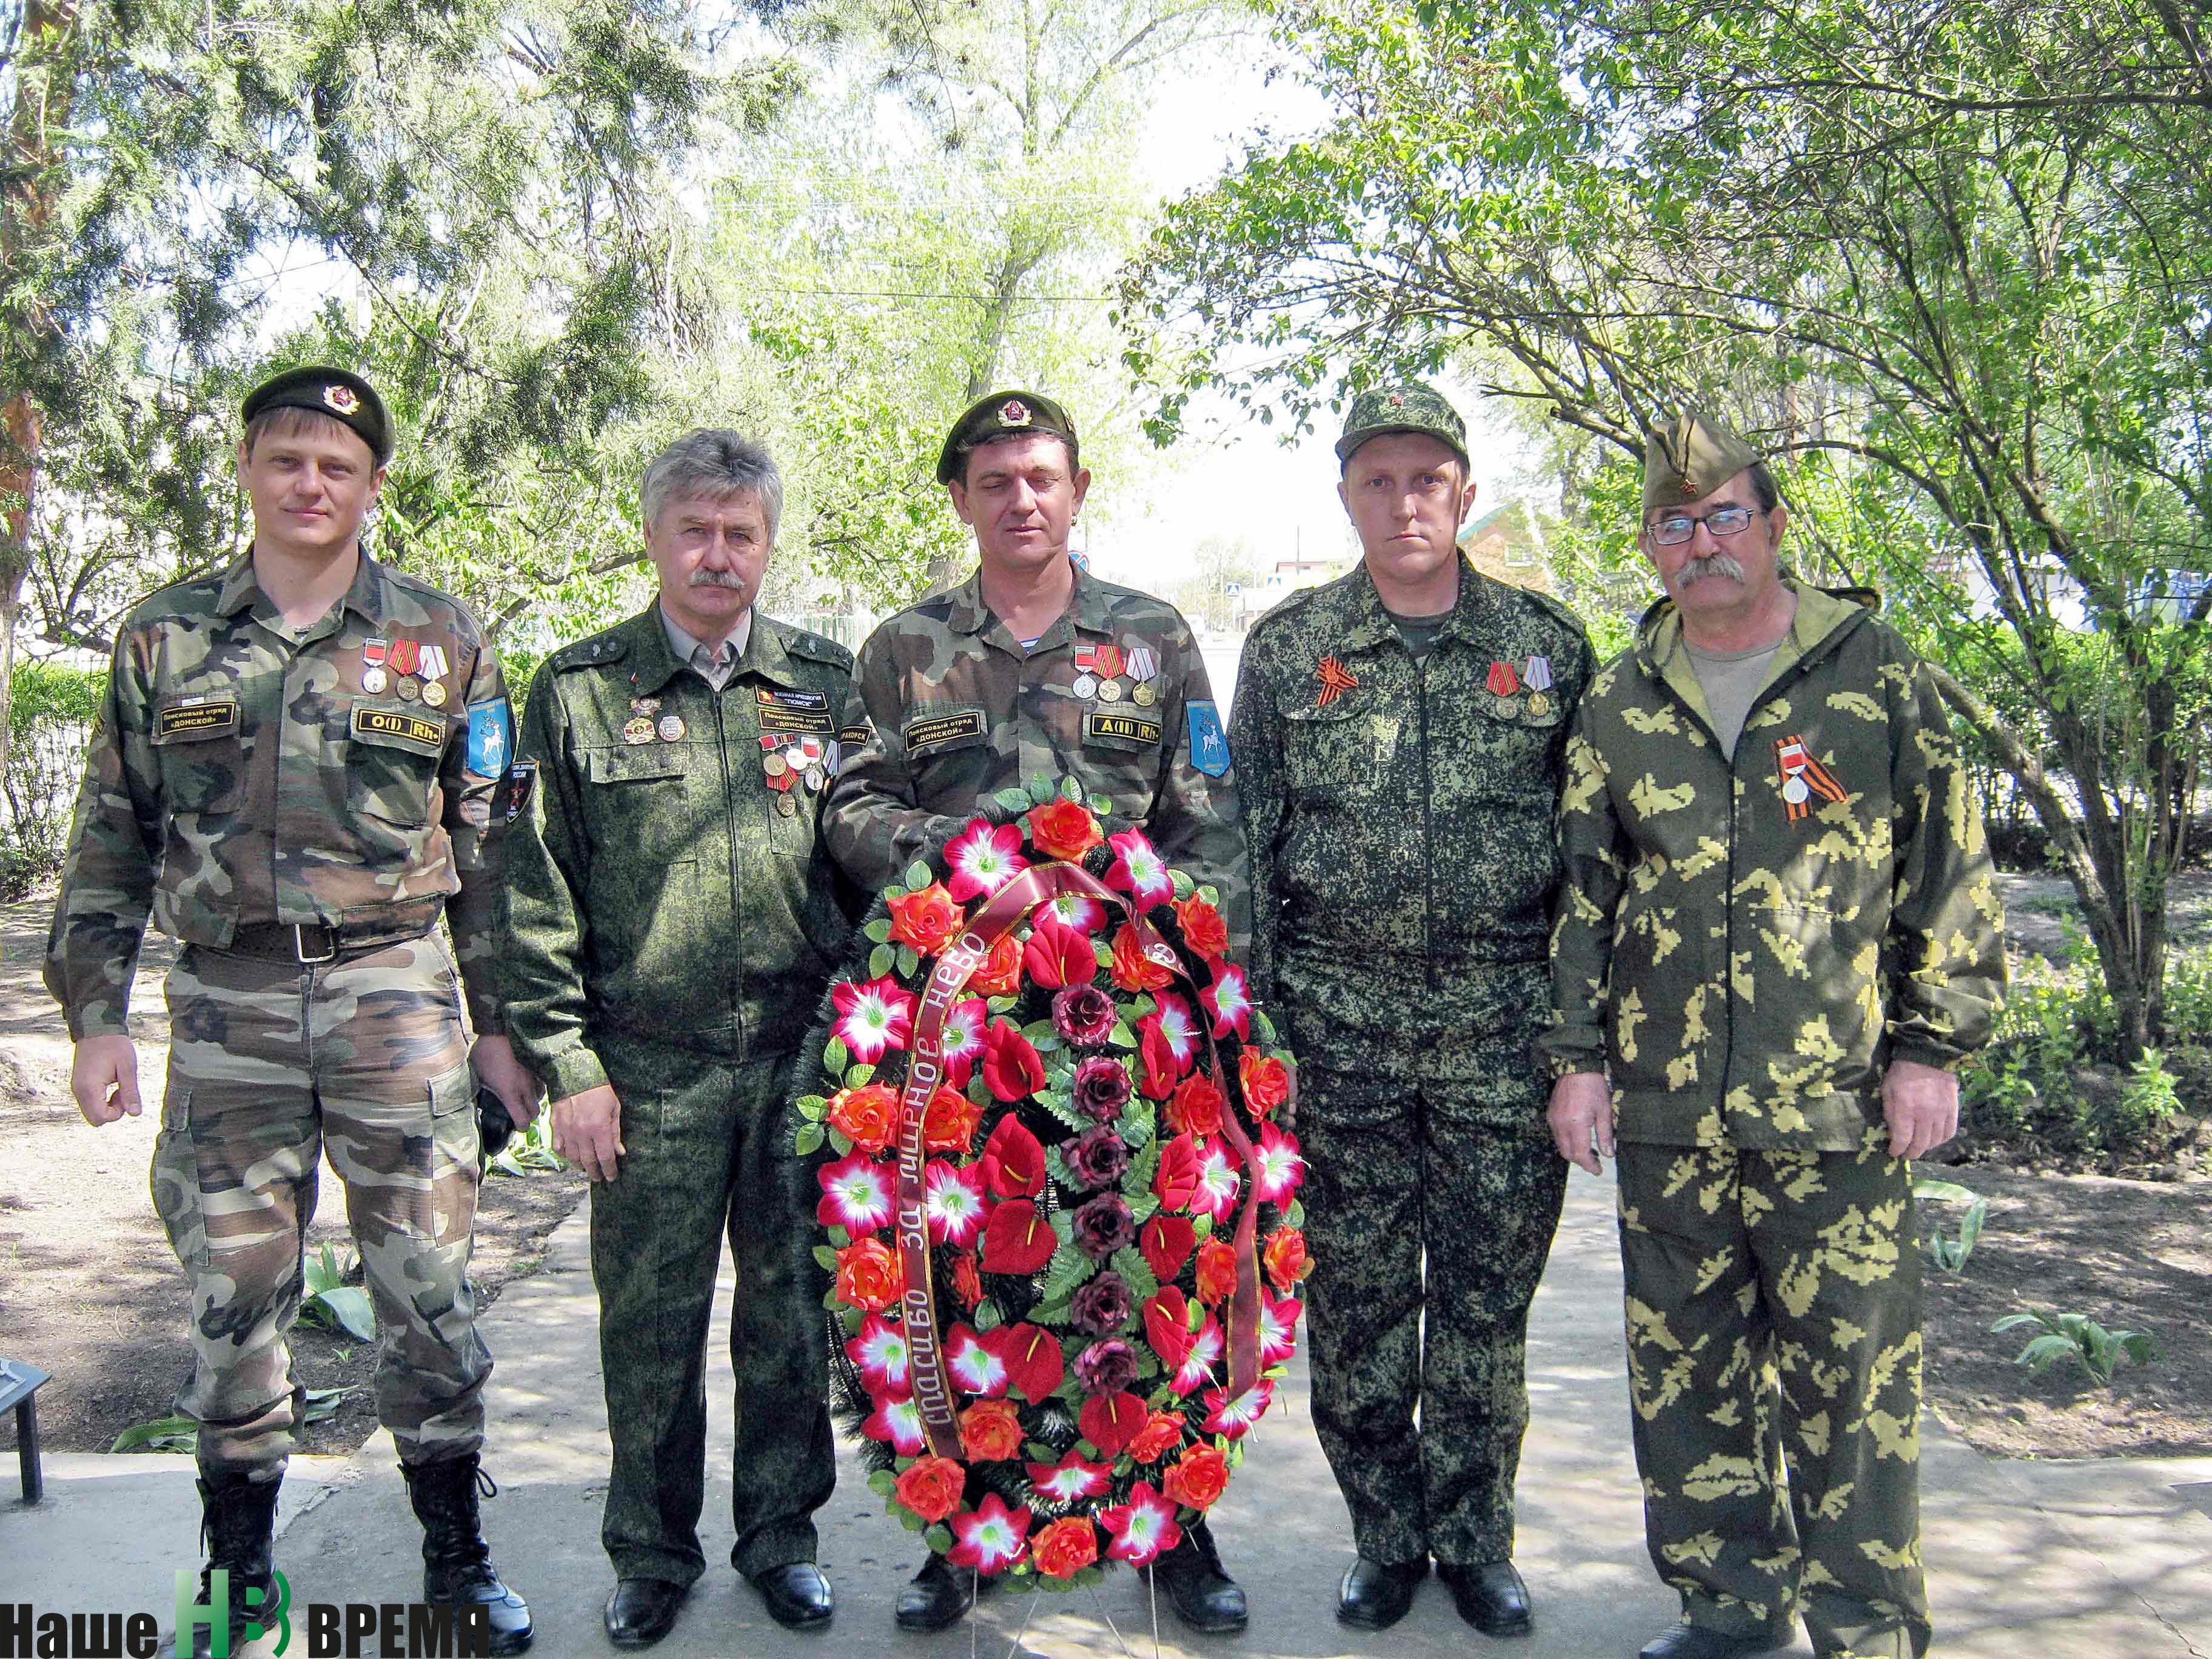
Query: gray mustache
[1713,564]
[716,579]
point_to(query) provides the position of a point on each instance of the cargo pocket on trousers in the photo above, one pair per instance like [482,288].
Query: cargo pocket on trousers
[454,1173]
[174,1179]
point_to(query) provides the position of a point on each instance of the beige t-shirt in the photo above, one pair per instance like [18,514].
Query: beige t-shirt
[1731,681]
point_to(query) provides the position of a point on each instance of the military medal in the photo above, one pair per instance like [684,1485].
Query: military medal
[1539,704]
[409,689]
[1144,695]
[816,778]
[373,676]
[406,655]
[1110,664]
[639,729]
[671,728]
[1537,676]
[1109,690]
[434,693]
[1085,686]
[1503,682]
[433,663]
[788,807]
[1801,777]
[773,765]
[1144,662]
[1335,681]
[373,681]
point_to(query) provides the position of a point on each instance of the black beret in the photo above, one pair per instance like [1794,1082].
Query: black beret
[345,398]
[995,416]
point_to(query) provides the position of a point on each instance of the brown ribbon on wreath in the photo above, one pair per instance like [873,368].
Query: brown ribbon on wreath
[955,967]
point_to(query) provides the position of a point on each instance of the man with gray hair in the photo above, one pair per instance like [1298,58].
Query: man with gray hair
[671,922]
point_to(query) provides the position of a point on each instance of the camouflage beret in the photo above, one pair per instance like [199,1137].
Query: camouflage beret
[1689,456]
[1411,407]
[346,398]
[996,416]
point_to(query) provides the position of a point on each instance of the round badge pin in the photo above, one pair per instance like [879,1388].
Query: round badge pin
[1797,791]
[637,731]
[645,705]
[1109,690]
[671,728]
[1085,686]
[410,689]
[774,765]
[434,693]
[1144,695]
[794,758]
[816,778]
[1504,708]
[374,680]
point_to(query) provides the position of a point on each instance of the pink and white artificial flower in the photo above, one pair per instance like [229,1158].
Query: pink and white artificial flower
[1142,1528]
[880,1355]
[983,858]
[1218,1180]
[963,1040]
[898,1421]
[1176,1025]
[954,1202]
[1079,911]
[990,1537]
[1278,1171]
[1232,1417]
[1197,1368]
[856,1194]
[975,1370]
[1278,1327]
[1139,869]
[872,1017]
[1071,1479]
[1229,1001]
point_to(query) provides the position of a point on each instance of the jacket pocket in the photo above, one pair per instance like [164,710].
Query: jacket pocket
[391,762]
[201,755]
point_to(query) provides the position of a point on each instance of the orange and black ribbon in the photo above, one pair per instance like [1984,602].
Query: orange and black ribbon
[1793,760]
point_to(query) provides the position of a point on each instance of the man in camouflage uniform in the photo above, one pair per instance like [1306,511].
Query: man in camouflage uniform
[1781,935]
[1032,666]
[292,773]
[670,927]
[1399,733]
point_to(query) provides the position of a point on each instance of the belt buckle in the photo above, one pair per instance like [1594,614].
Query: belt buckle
[299,944]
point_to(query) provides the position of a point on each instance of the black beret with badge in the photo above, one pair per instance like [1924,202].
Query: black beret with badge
[345,398]
[1001,415]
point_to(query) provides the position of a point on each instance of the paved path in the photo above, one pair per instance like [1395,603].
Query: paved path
[2108,1560]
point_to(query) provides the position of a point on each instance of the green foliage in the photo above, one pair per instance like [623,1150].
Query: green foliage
[533,1149]
[1950,1251]
[51,712]
[2079,1337]
[331,1302]
[182,1434]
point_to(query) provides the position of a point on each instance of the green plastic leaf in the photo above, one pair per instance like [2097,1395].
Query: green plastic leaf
[1049,1313]
[987,1316]
[1296,1215]
[910,960]
[813,1107]
[938,1538]
[1014,800]
[880,961]
[857,1075]
[808,1140]
[1041,790]
[836,1057]
[1100,805]
[826,1257]
[1123,1037]
[918,875]
[839,1239]
[882,1482]
[1135,1272]
[1071,789]
[1002,1004]
[879,930]
[1103,951]
[1211,894]
[1181,883]
[840,1142]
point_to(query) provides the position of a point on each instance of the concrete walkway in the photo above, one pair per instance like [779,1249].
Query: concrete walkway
[2106,1561]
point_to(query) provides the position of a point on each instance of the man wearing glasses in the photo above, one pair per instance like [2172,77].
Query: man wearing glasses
[1780,936]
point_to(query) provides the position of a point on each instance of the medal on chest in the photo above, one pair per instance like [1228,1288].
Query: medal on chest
[1800,777]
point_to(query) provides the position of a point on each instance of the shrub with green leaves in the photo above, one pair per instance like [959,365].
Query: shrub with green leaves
[49,724]
[1950,1251]
[2077,1337]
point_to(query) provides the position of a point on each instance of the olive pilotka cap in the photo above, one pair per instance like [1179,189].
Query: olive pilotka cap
[345,398]
[1407,407]
[995,416]
[1689,456]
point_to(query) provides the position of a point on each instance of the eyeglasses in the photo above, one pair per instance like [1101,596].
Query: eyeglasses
[1678,527]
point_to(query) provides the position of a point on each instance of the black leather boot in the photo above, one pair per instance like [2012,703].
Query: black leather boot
[1205,1596]
[457,1565]
[238,1529]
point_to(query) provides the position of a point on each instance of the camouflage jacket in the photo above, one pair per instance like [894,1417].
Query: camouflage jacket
[1746,947]
[239,776]
[947,710]
[1400,818]
[665,878]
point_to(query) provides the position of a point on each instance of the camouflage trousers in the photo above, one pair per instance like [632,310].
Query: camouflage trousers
[1773,1310]
[706,1161]
[1427,1201]
[270,1066]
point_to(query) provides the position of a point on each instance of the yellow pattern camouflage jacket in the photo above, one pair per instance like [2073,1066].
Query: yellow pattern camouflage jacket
[1745,946]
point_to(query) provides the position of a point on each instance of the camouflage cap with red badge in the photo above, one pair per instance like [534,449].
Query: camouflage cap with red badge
[345,398]
[1690,456]
[1408,406]
[1003,414]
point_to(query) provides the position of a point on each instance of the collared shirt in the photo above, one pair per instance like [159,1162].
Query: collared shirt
[243,773]
[721,661]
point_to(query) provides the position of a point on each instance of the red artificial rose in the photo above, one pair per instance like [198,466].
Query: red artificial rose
[967,1281]
[1066,1547]
[1001,975]
[1111,1421]
[1285,1255]
[1012,1069]
[949,1123]
[990,1430]
[1267,1081]
[1195,1107]
[1058,956]
[1034,1363]
[1162,1434]
[1167,1327]
[869,1275]
[1064,829]
[1176,1178]
[1197,1478]
[1216,1270]
[866,1116]
[931,1486]
[1203,929]
[1134,971]
[1159,1061]
[1013,1162]
[1017,1239]
[927,920]
[1166,1244]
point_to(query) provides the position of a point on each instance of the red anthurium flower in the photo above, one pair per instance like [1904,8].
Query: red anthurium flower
[1157,1055]
[1064,829]
[1142,1528]
[1017,1239]
[1139,869]
[1013,1163]
[1229,1001]
[856,1194]
[879,1352]
[1197,1368]
[1111,1421]
[975,1370]
[898,1420]
[1070,1478]
[1011,1068]
[1278,1328]
[1167,1326]
[872,1017]
[983,858]
[1134,971]
[989,1538]
[963,1040]
[1232,1417]
[1217,1181]
[1034,1363]
[1057,956]
[1166,1243]
[1176,1180]
[954,1202]
[1278,1171]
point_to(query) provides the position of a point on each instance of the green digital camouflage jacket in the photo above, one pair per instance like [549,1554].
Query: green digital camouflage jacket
[239,776]
[1399,818]
[665,880]
[1745,947]
[947,709]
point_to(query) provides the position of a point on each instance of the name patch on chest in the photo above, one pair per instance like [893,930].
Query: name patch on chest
[935,731]
[777,716]
[208,717]
[398,723]
[1131,729]
[768,699]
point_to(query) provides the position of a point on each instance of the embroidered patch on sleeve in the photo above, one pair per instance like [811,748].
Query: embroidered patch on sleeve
[1209,743]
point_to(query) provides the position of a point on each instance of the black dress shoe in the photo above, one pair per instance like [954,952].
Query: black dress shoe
[936,1598]
[797,1594]
[641,1611]
[1376,1595]
[1694,1642]
[1204,1595]
[1490,1596]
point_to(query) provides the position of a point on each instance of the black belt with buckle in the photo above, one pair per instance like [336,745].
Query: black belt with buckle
[311,944]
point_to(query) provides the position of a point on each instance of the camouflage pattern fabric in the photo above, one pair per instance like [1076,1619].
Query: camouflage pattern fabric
[947,709]
[270,1066]
[1397,1168]
[660,886]
[1774,1304]
[706,1159]
[240,775]
[1400,828]
[1746,966]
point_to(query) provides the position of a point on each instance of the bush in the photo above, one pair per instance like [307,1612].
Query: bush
[49,724]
